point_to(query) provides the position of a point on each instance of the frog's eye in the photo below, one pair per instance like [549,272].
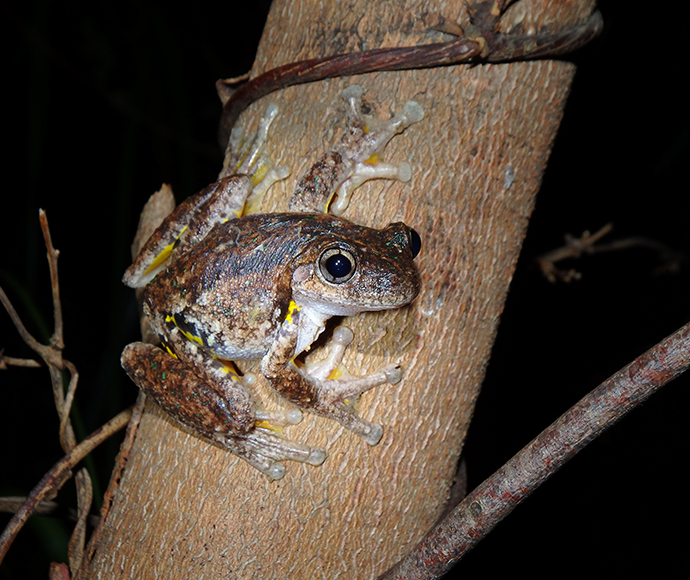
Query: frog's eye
[415,243]
[337,265]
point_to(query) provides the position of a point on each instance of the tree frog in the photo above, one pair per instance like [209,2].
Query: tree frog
[223,286]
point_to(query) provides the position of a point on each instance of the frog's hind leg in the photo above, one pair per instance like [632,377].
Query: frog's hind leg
[221,411]
[266,451]
[353,160]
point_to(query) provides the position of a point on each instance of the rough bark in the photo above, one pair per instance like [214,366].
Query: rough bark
[187,509]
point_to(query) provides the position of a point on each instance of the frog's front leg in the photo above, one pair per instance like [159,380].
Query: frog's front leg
[196,216]
[220,410]
[187,224]
[353,160]
[314,387]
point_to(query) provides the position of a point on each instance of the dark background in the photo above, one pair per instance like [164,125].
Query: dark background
[104,101]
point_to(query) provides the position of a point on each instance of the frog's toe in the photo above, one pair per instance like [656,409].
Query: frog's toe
[266,451]
[404,172]
[393,374]
[413,112]
[352,92]
[269,419]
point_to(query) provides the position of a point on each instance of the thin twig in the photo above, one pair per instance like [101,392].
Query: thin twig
[52,355]
[573,248]
[589,244]
[57,339]
[116,475]
[48,354]
[6,361]
[57,476]
[494,499]
[10,504]
[77,541]
[63,403]
[66,407]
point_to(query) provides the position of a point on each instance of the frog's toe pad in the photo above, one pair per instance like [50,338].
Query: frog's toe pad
[317,456]
[374,435]
[393,374]
[413,111]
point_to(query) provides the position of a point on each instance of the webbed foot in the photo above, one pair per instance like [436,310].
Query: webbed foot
[340,390]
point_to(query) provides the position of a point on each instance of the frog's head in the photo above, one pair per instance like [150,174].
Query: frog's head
[353,269]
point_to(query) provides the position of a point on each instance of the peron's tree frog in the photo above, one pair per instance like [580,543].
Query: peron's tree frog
[223,286]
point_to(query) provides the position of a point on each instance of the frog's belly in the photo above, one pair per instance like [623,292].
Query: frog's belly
[237,352]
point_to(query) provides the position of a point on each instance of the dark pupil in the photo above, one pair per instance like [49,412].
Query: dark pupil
[415,243]
[338,266]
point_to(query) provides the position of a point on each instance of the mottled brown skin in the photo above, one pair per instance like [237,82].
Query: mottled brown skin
[175,383]
[228,297]
[319,181]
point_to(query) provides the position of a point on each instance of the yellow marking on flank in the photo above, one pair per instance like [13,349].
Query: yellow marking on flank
[228,367]
[292,307]
[193,338]
[373,160]
[237,213]
[188,335]
[252,205]
[170,352]
[336,373]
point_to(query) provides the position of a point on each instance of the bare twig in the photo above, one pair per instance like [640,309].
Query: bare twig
[10,504]
[52,355]
[573,248]
[47,353]
[588,244]
[6,361]
[485,44]
[116,474]
[57,339]
[56,477]
[77,541]
[64,411]
[494,499]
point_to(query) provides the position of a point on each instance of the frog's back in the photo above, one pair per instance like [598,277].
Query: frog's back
[231,289]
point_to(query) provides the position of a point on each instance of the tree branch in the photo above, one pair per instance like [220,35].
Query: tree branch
[494,499]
